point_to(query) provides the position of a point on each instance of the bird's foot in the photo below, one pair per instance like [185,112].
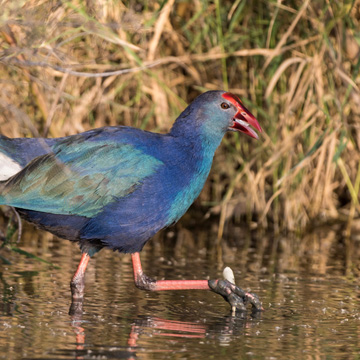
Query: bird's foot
[235,296]
[77,289]
[76,308]
[77,297]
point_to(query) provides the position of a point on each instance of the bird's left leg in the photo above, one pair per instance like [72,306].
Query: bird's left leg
[231,293]
[77,283]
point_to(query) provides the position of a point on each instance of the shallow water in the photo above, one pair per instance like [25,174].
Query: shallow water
[309,288]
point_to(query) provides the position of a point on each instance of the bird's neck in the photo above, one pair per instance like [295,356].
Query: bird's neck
[198,151]
[197,135]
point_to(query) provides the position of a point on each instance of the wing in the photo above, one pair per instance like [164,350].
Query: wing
[80,178]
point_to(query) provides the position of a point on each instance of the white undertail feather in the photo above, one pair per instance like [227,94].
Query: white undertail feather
[228,275]
[8,167]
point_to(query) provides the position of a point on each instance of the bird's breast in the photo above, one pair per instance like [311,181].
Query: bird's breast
[189,190]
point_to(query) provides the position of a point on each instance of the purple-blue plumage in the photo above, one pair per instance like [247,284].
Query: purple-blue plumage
[117,186]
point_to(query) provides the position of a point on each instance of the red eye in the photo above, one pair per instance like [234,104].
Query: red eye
[225,105]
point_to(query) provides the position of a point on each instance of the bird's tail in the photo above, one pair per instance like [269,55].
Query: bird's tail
[9,165]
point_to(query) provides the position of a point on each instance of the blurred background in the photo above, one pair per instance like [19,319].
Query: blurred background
[295,64]
[282,211]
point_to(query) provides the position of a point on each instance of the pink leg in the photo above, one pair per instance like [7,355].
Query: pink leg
[145,283]
[77,283]
[233,294]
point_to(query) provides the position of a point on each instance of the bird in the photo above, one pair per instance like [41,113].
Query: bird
[115,187]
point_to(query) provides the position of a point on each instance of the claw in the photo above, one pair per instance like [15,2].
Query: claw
[235,296]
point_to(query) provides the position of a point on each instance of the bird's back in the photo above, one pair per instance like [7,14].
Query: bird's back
[113,186]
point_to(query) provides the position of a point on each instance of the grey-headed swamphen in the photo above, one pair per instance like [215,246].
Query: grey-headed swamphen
[116,187]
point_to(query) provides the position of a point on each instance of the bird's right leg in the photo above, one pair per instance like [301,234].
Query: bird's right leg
[230,292]
[143,282]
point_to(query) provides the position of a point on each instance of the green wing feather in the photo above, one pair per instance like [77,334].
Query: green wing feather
[79,179]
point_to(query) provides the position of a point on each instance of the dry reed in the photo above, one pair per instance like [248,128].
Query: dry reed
[70,66]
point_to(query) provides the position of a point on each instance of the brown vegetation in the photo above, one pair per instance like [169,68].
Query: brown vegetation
[69,66]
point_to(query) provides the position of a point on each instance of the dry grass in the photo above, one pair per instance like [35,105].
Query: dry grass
[295,64]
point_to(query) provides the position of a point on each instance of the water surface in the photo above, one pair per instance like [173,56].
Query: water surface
[309,287]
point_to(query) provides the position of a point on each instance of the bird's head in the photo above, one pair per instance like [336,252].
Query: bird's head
[243,120]
[214,113]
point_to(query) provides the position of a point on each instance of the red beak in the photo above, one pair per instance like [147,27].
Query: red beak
[243,119]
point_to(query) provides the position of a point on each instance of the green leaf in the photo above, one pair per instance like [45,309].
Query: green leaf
[32,256]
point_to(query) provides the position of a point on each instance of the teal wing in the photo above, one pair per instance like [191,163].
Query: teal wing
[79,179]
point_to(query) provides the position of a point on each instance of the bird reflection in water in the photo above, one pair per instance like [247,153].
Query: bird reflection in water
[222,330]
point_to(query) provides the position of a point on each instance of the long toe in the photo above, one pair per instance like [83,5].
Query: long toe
[235,296]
